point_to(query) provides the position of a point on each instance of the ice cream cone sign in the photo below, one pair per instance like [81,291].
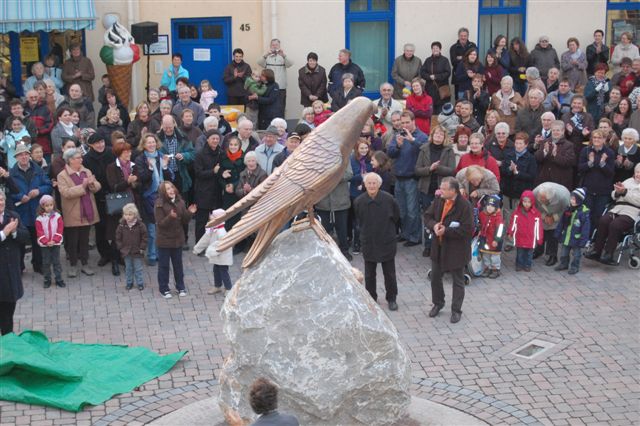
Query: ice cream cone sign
[119,53]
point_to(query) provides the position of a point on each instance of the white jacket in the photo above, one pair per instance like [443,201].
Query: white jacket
[209,242]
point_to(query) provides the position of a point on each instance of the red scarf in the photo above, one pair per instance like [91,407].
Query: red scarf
[233,157]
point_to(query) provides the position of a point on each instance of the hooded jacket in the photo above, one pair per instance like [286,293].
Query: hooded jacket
[525,227]
[574,226]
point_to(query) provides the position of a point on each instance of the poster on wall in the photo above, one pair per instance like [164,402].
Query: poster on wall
[159,48]
[29,51]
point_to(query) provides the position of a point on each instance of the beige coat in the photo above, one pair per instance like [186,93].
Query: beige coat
[509,119]
[70,194]
[631,200]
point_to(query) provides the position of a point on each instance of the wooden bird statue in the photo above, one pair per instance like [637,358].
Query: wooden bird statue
[307,175]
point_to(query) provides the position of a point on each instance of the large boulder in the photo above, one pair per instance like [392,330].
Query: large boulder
[300,318]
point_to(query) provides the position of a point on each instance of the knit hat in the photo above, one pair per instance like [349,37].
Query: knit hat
[579,194]
[493,200]
[447,109]
[216,214]
[46,199]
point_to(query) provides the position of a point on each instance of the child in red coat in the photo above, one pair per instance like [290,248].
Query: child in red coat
[320,115]
[491,236]
[49,228]
[526,231]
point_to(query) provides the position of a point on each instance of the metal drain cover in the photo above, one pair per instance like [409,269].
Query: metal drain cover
[532,349]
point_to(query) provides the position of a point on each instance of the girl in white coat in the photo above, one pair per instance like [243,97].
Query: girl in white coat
[220,260]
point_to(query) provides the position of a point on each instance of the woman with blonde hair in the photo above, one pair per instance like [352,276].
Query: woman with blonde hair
[143,123]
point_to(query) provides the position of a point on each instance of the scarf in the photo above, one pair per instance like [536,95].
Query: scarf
[86,208]
[576,55]
[233,157]
[520,154]
[68,128]
[600,93]
[448,205]
[363,165]
[125,166]
[504,103]
[155,174]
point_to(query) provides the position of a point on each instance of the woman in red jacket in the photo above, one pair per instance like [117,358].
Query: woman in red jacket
[420,104]
[478,156]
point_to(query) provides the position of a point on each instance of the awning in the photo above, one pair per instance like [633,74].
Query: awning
[46,15]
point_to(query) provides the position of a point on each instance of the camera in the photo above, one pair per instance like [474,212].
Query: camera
[403,132]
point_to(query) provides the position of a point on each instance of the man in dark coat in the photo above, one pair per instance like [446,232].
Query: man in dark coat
[234,76]
[12,236]
[312,80]
[378,214]
[344,66]
[450,219]
[457,51]
[97,160]
[207,191]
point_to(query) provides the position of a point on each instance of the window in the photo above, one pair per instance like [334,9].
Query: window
[622,16]
[370,37]
[507,17]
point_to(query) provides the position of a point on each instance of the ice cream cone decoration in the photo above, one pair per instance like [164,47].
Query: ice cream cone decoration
[119,53]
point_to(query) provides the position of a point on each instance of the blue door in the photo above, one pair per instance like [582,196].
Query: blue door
[205,44]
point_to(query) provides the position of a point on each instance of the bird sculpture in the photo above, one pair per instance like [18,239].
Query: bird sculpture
[306,176]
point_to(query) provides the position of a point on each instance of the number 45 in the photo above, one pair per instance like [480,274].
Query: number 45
[245,27]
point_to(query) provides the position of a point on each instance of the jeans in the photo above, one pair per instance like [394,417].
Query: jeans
[565,251]
[437,289]
[152,250]
[390,283]
[524,257]
[597,204]
[175,256]
[221,276]
[491,261]
[51,258]
[407,197]
[338,220]
[425,201]
[133,268]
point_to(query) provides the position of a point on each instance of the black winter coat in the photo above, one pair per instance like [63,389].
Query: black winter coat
[438,66]
[454,251]
[312,83]
[268,105]
[340,100]
[377,218]
[513,185]
[97,163]
[207,190]
[11,283]
[235,85]
[338,70]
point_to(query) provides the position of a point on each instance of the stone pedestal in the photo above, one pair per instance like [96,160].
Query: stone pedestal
[300,318]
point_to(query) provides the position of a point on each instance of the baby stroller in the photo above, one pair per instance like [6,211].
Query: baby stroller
[630,242]
[474,267]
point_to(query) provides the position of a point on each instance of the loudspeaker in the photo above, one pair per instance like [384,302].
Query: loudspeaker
[145,32]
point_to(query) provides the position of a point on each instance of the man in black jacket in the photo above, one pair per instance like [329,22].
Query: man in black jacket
[344,66]
[207,191]
[457,51]
[378,215]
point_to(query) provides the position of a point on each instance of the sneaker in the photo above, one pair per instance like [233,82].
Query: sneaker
[356,250]
[495,273]
[47,283]
[86,269]
[61,284]
[167,295]
[129,286]
[72,272]
[214,290]
[140,287]
[573,271]
[182,293]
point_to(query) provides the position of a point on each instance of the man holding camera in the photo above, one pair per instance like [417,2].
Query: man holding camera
[405,149]
[276,60]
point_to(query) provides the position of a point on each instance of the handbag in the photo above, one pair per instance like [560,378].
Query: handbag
[116,201]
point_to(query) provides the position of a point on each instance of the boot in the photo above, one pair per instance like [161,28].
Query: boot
[47,282]
[551,260]
[61,284]
[115,269]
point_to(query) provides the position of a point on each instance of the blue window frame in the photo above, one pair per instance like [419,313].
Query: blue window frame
[622,16]
[370,35]
[507,17]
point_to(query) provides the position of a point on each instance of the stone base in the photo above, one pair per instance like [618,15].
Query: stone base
[421,413]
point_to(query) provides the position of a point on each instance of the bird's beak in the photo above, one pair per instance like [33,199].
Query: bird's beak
[346,125]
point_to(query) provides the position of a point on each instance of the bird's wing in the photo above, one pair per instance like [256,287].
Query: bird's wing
[299,176]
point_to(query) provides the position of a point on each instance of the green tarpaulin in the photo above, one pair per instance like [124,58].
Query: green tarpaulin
[68,375]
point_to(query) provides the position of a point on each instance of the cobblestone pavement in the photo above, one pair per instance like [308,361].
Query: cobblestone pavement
[590,376]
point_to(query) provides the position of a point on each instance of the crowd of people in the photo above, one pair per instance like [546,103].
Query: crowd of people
[538,145]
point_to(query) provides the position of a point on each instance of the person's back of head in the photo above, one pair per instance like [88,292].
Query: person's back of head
[263,396]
